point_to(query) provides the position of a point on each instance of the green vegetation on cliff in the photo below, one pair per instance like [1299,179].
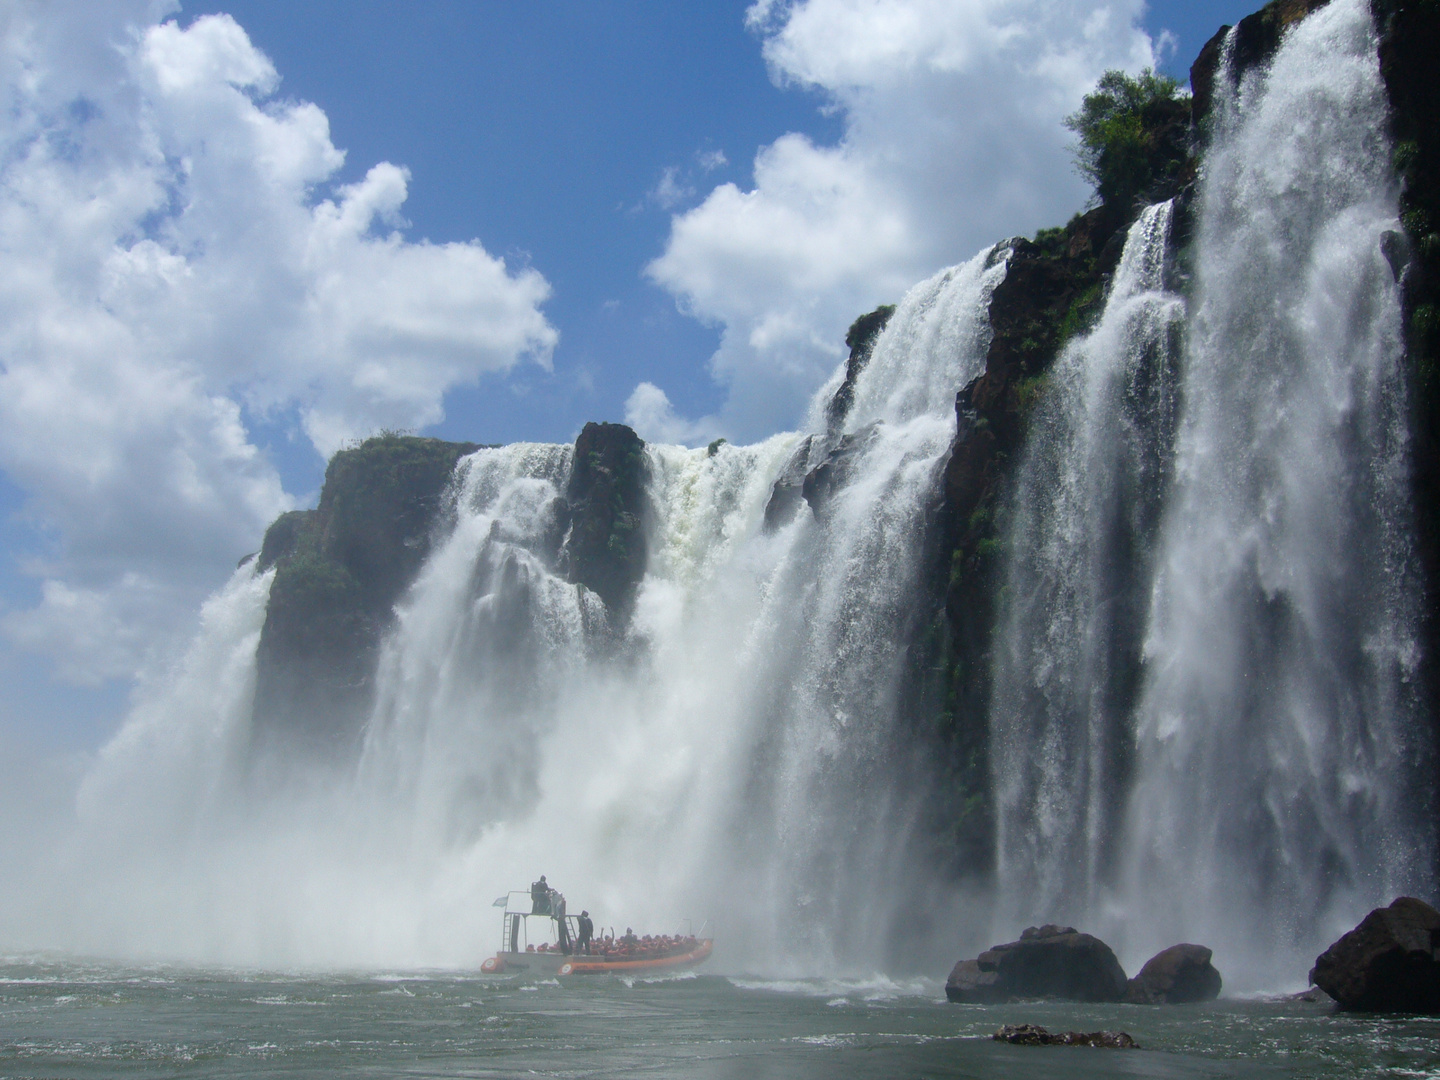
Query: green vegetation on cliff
[339,569]
[1133,133]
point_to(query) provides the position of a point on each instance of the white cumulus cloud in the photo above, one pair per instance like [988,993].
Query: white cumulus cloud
[176,250]
[953,139]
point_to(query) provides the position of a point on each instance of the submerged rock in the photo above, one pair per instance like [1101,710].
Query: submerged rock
[1034,1035]
[1047,962]
[1386,964]
[1178,975]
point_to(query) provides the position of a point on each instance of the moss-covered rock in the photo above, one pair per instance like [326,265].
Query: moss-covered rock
[606,549]
[339,569]
[860,340]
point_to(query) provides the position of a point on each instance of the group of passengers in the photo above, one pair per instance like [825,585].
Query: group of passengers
[546,901]
[649,947]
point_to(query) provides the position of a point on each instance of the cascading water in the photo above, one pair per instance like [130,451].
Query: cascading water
[1203,717]
[1255,795]
[1276,732]
[734,753]
[1084,522]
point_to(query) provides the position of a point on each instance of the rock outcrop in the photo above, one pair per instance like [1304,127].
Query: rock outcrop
[1409,43]
[1179,975]
[1047,962]
[606,548]
[1389,963]
[799,478]
[339,570]
[1257,36]
[1034,1035]
[860,340]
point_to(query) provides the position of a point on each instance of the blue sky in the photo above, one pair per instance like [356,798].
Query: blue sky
[239,234]
[544,129]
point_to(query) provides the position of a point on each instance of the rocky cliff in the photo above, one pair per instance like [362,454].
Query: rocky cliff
[338,571]
[1054,288]
[341,568]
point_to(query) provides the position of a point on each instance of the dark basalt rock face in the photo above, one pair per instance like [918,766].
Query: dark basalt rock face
[1053,290]
[1389,963]
[606,548]
[799,479]
[339,570]
[789,487]
[1179,975]
[835,469]
[1409,43]
[1034,1035]
[1047,962]
[1257,36]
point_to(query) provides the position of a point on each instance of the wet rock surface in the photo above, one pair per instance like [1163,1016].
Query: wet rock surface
[1179,975]
[1386,964]
[1048,961]
[339,569]
[1034,1035]
[785,496]
[606,549]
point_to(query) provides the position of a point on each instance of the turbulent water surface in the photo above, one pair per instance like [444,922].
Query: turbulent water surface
[89,1020]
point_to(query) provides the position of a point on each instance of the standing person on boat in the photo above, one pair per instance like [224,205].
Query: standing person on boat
[557,909]
[587,931]
[540,897]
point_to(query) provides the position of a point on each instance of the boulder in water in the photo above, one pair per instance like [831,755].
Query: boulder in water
[1047,962]
[1386,964]
[1035,1035]
[1178,975]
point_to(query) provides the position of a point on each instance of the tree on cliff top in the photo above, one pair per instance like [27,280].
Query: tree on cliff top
[1132,132]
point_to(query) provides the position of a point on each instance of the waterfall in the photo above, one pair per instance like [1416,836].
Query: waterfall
[734,752]
[1275,737]
[1205,710]
[1083,524]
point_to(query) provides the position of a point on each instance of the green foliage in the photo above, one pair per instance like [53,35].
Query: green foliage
[1082,312]
[1028,391]
[714,447]
[1121,127]
[1051,239]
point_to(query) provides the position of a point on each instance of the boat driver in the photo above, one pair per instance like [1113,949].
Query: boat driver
[540,897]
[587,930]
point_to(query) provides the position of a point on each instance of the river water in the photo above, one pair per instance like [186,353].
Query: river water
[67,1018]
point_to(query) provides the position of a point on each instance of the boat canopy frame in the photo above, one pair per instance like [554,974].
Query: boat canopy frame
[515,922]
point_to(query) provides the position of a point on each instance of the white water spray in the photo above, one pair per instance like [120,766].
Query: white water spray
[1084,521]
[735,756]
[1233,759]
[1276,733]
